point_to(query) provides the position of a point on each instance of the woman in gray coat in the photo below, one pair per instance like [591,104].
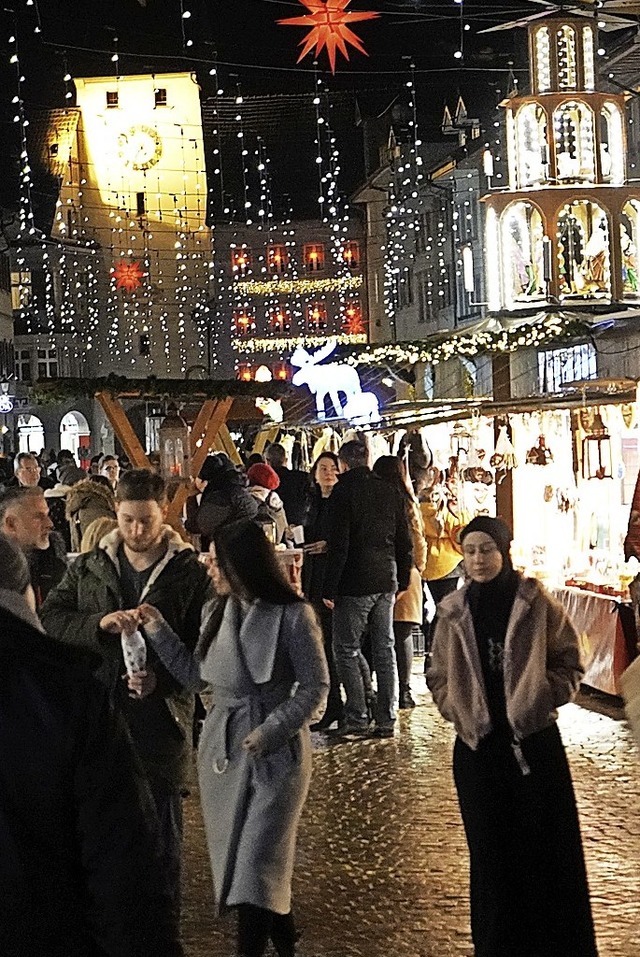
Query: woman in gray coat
[260,653]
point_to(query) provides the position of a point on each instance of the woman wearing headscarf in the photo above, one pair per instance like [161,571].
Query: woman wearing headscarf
[505,657]
[260,651]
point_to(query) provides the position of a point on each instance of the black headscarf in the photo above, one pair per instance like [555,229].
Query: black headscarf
[490,604]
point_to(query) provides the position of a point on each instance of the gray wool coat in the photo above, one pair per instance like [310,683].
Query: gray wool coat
[266,670]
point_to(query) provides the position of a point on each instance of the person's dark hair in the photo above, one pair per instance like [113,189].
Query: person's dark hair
[220,474]
[254,459]
[100,480]
[391,469]
[247,559]
[64,455]
[15,568]
[141,485]
[276,455]
[354,454]
[323,455]
[18,496]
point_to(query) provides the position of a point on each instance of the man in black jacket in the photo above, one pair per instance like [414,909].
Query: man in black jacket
[79,871]
[25,519]
[369,561]
[143,560]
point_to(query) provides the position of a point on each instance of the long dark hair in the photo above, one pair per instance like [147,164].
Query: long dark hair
[247,558]
[391,469]
[323,455]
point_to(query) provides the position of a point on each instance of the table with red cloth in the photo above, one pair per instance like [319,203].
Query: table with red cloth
[607,631]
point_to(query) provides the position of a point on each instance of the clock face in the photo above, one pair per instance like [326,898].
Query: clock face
[140,147]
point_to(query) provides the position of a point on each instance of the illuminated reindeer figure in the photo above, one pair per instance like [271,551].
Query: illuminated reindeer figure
[323,381]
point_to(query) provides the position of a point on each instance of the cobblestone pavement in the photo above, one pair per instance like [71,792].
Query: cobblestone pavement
[382,861]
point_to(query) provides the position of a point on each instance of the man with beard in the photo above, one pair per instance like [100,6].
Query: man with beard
[142,560]
[25,519]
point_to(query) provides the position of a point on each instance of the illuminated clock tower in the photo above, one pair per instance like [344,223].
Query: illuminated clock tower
[567,229]
[137,189]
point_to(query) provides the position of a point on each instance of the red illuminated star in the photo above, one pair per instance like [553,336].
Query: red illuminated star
[128,276]
[329,28]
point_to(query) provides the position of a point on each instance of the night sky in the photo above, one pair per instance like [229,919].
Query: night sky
[251,51]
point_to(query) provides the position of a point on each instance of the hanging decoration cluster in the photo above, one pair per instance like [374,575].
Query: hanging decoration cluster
[329,21]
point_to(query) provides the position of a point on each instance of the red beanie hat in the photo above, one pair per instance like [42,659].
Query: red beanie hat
[262,474]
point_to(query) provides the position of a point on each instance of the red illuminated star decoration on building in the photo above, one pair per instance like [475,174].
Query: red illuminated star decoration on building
[352,323]
[329,28]
[128,276]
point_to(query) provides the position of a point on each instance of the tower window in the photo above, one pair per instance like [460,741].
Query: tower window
[144,347]
[160,97]
[112,99]
[140,204]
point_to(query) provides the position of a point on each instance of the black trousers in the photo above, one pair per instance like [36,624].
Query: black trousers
[529,894]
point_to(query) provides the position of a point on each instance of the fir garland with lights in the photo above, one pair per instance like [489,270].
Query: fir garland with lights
[49,391]
[551,329]
[301,287]
[288,343]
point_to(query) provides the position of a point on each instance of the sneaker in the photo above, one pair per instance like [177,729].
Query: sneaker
[406,700]
[383,733]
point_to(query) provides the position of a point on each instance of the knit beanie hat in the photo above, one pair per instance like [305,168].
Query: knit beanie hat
[216,468]
[262,474]
[495,528]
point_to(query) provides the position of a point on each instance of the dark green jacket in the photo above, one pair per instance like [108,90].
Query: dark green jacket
[160,724]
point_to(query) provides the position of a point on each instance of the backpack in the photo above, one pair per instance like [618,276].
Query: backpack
[269,515]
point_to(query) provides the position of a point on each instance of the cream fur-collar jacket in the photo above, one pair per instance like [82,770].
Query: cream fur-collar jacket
[542,668]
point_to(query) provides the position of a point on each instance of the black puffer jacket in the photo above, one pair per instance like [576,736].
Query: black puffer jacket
[78,871]
[370,550]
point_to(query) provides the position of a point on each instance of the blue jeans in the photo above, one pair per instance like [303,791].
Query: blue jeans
[353,615]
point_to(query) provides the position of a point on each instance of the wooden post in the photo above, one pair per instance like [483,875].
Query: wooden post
[226,444]
[211,418]
[263,437]
[123,429]
[501,364]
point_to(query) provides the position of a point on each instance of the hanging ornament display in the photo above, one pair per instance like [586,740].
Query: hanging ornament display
[128,276]
[329,27]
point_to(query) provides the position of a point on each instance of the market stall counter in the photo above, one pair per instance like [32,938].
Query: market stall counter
[607,632]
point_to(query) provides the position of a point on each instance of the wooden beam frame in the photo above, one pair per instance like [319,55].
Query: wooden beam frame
[123,429]
[211,418]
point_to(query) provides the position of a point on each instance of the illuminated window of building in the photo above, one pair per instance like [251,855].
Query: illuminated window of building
[280,371]
[543,59]
[23,365]
[279,319]
[351,254]
[557,367]
[314,257]
[316,317]
[144,345]
[277,259]
[112,99]
[589,59]
[352,321]
[21,289]
[47,363]
[567,65]
[243,322]
[245,371]
[573,135]
[241,261]
[160,97]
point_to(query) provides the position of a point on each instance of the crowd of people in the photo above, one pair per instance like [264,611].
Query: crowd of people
[116,624]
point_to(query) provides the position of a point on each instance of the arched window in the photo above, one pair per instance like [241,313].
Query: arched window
[522,248]
[531,145]
[588,58]
[567,61]
[543,59]
[611,145]
[573,136]
[629,238]
[584,251]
